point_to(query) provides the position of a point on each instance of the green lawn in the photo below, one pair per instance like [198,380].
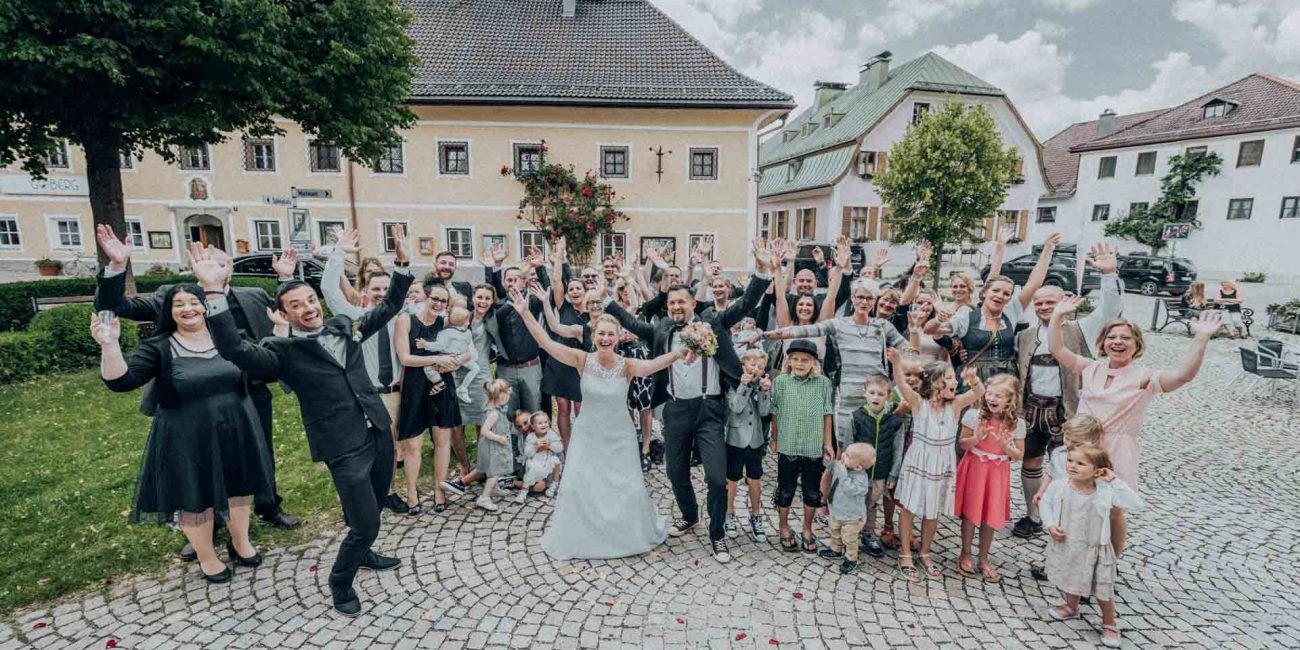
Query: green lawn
[70,456]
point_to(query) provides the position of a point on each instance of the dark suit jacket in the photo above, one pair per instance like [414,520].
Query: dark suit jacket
[335,400]
[659,337]
[110,294]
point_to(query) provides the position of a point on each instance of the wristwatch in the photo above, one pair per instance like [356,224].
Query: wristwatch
[402,264]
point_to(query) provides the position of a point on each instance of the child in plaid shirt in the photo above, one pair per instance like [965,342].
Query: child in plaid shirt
[801,437]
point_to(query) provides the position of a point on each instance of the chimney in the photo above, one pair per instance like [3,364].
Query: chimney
[1106,123]
[826,91]
[875,72]
[570,8]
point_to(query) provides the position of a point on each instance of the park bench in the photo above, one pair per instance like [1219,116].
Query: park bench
[42,303]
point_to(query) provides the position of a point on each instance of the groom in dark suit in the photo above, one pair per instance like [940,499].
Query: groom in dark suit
[693,395]
[347,424]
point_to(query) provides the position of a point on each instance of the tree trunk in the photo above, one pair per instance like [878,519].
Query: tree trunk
[104,176]
[936,260]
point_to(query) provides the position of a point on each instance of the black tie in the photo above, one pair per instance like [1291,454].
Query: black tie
[385,358]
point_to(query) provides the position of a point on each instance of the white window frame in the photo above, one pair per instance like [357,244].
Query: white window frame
[67,158]
[17,232]
[860,214]
[374,166]
[1214,110]
[765,225]
[311,144]
[522,251]
[245,143]
[717,163]
[139,244]
[1093,217]
[606,244]
[256,234]
[694,236]
[1282,213]
[446,239]
[515,145]
[317,233]
[131,161]
[655,239]
[52,232]
[469,157]
[381,226]
[207,158]
[627,161]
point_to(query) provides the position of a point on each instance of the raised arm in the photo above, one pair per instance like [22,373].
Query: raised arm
[999,251]
[643,330]
[562,353]
[971,397]
[333,281]
[763,261]
[647,367]
[1039,273]
[379,315]
[781,299]
[119,375]
[1105,260]
[919,271]
[823,328]
[557,266]
[1203,327]
[553,319]
[910,396]
[839,278]
[1056,338]
[209,267]
[110,292]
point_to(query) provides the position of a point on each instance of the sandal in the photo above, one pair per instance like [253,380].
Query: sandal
[908,572]
[990,574]
[790,543]
[931,568]
[1111,641]
[966,567]
[1062,613]
[439,507]
[809,544]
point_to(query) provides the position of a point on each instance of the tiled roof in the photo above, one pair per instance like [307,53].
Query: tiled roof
[616,52]
[817,170]
[1264,103]
[862,108]
[1062,165]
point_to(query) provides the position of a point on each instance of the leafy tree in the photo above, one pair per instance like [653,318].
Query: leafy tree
[946,175]
[1177,190]
[125,76]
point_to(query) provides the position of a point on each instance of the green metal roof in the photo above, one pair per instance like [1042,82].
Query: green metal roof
[817,170]
[862,108]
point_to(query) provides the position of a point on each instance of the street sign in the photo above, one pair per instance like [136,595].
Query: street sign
[301,193]
[276,200]
[1176,231]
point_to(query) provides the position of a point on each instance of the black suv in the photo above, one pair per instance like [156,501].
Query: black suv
[803,258]
[310,269]
[1060,273]
[1152,276]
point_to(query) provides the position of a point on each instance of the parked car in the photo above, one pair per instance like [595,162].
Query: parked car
[1060,273]
[1150,275]
[803,258]
[310,269]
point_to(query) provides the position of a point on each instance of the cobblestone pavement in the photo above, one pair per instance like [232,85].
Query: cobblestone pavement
[1212,562]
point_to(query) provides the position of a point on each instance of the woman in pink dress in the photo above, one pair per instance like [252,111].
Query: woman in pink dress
[1117,391]
[993,435]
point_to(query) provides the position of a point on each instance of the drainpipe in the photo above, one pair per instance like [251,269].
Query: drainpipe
[352,204]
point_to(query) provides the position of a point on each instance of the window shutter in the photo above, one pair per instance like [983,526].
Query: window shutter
[886,232]
[881,159]
[989,234]
[873,218]
[1024,224]
[846,221]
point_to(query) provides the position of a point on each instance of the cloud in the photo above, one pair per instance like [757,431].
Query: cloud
[1069,5]
[1287,47]
[816,47]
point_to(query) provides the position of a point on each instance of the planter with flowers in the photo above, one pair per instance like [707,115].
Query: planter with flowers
[560,204]
[47,267]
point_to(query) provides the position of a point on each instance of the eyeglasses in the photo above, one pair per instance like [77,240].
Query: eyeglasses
[589,275]
[437,300]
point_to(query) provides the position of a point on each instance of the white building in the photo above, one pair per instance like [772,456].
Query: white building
[816,173]
[1249,213]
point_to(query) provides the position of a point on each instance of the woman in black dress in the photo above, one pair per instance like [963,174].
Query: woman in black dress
[205,450]
[420,410]
[559,380]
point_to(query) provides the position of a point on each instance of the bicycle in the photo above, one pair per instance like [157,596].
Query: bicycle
[78,266]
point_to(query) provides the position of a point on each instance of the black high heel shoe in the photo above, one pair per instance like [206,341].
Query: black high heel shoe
[223,576]
[256,560]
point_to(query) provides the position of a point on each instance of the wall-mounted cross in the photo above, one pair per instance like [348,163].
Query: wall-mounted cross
[659,152]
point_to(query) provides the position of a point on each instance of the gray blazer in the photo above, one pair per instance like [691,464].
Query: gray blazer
[748,406]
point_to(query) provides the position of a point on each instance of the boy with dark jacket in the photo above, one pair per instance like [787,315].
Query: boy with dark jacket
[877,425]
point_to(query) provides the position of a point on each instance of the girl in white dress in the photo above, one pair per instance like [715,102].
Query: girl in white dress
[603,509]
[927,482]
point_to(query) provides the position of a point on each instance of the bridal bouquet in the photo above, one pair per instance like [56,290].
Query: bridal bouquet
[699,338]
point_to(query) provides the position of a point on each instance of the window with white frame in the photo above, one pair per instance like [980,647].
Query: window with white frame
[135,228]
[765,225]
[704,163]
[701,241]
[530,239]
[390,161]
[779,227]
[528,158]
[125,160]
[259,154]
[65,233]
[613,162]
[268,235]
[866,163]
[453,158]
[324,157]
[386,227]
[1290,209]
[613,244]
[807,223]
[859,224]
[195,158]
[490,242]
[57,158]
[10,237]
[1240,208]
[1101,212]
[919,111]
[1047,214]
[460,241]
[1250,153]
[1215,109]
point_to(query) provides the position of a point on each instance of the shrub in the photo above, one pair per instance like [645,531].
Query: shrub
[1253,276]
[57,340]
[24,355]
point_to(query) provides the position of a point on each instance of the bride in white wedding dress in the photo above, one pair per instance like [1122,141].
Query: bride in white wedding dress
[603,509]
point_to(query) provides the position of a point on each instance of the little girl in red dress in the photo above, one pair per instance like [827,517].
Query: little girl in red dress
[993,435]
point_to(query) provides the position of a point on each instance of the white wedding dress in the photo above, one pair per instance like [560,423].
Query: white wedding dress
[603,509]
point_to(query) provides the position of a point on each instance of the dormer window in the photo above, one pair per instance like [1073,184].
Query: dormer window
[789,135]
[1218,108]
[866,163]
[792,170]
[809,127]
[832,118]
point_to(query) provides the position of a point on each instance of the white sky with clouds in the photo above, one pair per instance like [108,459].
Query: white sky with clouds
[1061,61]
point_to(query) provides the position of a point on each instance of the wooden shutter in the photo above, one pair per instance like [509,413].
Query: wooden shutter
[989,228]
[873,218]
[847,221]
[1024,224]
[881,159]
[886,231]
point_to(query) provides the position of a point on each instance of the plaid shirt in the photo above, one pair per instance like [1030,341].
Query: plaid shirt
[800,407]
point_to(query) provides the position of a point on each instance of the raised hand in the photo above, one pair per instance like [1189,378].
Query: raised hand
[843,253]
[788,250]
[538,292]
[1205,325]
[209,265]
[746,337]
[286,264]
[893,355]
[118,251]
[923,255]
[1104,258]
[534,258]
[401,245]
[697,255]
[882,258]
[762,255]
[1068,305]
[818,256]
[1051,241]
[944,314]
[105,334]
[498,255]
[519,301]
[1004,235]
[915,318]
[969,376]
[765,383]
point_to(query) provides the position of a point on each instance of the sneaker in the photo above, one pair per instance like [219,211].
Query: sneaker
[1027,528]
[485,502]
[720,552]
[454,486]
[550,490]
[873,547]
[848,567]
[756,526]
[645,463]
[730,526]
[521,497]
[830,554]
[1038,573]
[681,527]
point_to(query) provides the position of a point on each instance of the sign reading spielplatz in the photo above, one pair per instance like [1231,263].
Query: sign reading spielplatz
[61,185]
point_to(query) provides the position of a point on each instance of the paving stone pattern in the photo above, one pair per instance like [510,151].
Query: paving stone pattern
[1212,563]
